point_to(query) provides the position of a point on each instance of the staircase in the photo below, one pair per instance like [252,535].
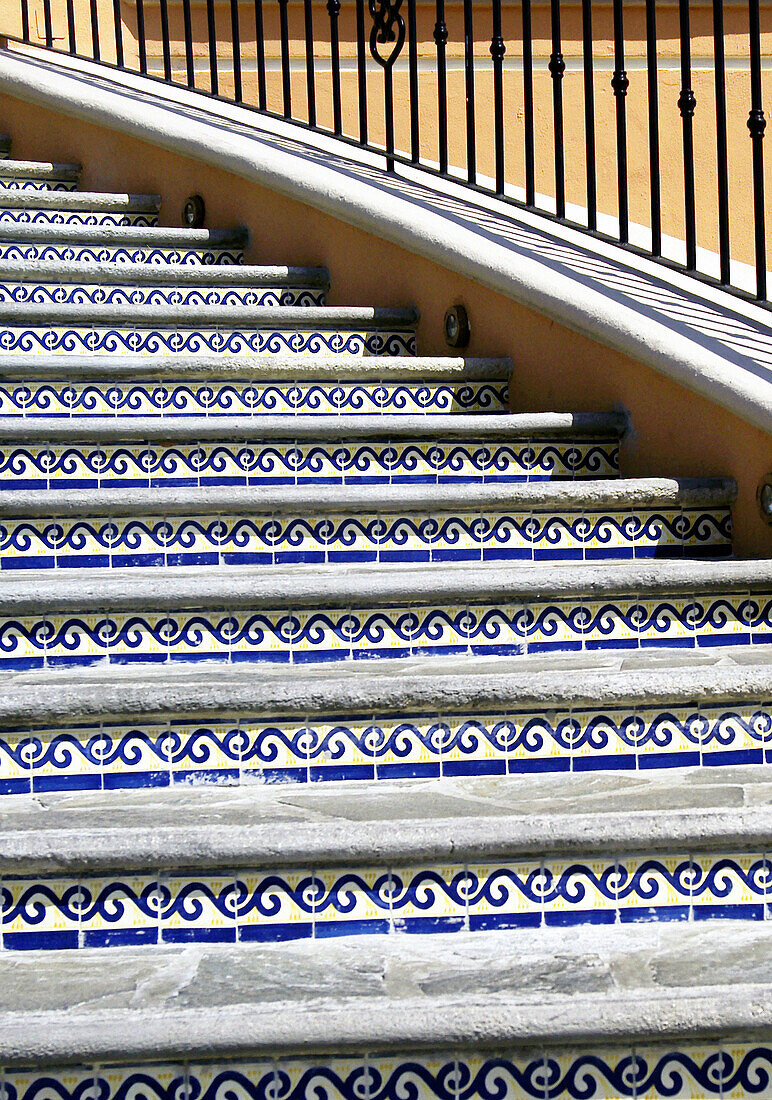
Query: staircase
[305,637]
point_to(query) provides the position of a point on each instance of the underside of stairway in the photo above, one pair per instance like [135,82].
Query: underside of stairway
[305,637]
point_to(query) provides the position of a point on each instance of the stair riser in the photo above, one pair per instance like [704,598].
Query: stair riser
[118,253]
[363,748]
[270,905]
[304,463]
[93,294]
[329,635]
[234,398]
[29,183]
[712,1069]
[74,217]
[275,539]
[120,341]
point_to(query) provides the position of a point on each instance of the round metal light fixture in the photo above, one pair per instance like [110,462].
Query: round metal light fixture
[764,498]
[456,325]
[193,212]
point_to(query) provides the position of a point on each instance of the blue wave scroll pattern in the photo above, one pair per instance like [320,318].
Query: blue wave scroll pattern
[665,1072]
[141,295]
[272,905]
[100,254]
[218,398]
[301,463]
[253,748]
[73,217]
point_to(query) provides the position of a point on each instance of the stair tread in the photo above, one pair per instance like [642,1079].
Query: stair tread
[33,314]
[642,981]
[344,426]
[367,585]
[497,684]
[39,169]
[78,200]
[46,271]
[321,499]
[107,235]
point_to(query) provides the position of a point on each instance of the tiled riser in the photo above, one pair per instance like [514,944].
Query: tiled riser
[365,748]
[234,398]
[272,905]
[103,254]
[105,294]
[676,1072]
[213,540]
[21,184]
[299,463]
[120,341]
[73,217]
[315,636]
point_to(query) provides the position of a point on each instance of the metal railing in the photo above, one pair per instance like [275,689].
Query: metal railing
[475,90]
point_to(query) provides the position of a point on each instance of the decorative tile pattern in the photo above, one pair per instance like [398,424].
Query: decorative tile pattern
[299,462]
[117,253]
[172,397]
[278,539]
[29,183]
[107,911]
[142,295]
[358,634]
[676,1072]
[77,340]
[9,216]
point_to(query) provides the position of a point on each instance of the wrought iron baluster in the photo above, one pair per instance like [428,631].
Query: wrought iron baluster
[655,198]
[95,52]
[687,102]
[141,41]
[412,52]
[164,14]
[236,47]
[388,27]
[262,99]
[71,42]
[48,26]
[721,146]
[25,21]
[528,140]
[187,24]
[333,10]
[557,67]
[757,124]
[471,141]
[212,35]
[498,49]
[589,115]
[308,19]
[286,86]
[361,71]
[620,84]
[118,28]
[441,42]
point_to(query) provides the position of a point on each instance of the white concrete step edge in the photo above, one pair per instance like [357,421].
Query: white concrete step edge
[145,274]
[39,170]
[79,200]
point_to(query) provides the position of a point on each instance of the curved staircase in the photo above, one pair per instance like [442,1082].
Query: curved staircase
[305,637]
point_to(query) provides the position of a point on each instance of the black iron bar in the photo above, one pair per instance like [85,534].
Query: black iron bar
[620,84]
[756,126]
[686,105]
[262,99]
[164,13]
[333,10]
[308,17]
[557,68]
[236,47]
[441,42]
[47,25]
[212,35]
[25,22]
[721,145]
[72,44]
[412,53]
[187,24]
[361,71]
[118,27]
[471,142]
[141,42]
[655,191]
[589,115]
[498,49]
[95,53]
[530,183]
[286,85]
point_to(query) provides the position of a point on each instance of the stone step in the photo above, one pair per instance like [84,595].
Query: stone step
[58,283]
[248,385]
[34,175]
[189,525]
[322,613]
[630,1011]
[77,208]
[123,244]
[281,450]
[197,864]
[30,328]
[160,726]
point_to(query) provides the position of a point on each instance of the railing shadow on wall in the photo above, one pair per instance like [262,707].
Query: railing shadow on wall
[640,121]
